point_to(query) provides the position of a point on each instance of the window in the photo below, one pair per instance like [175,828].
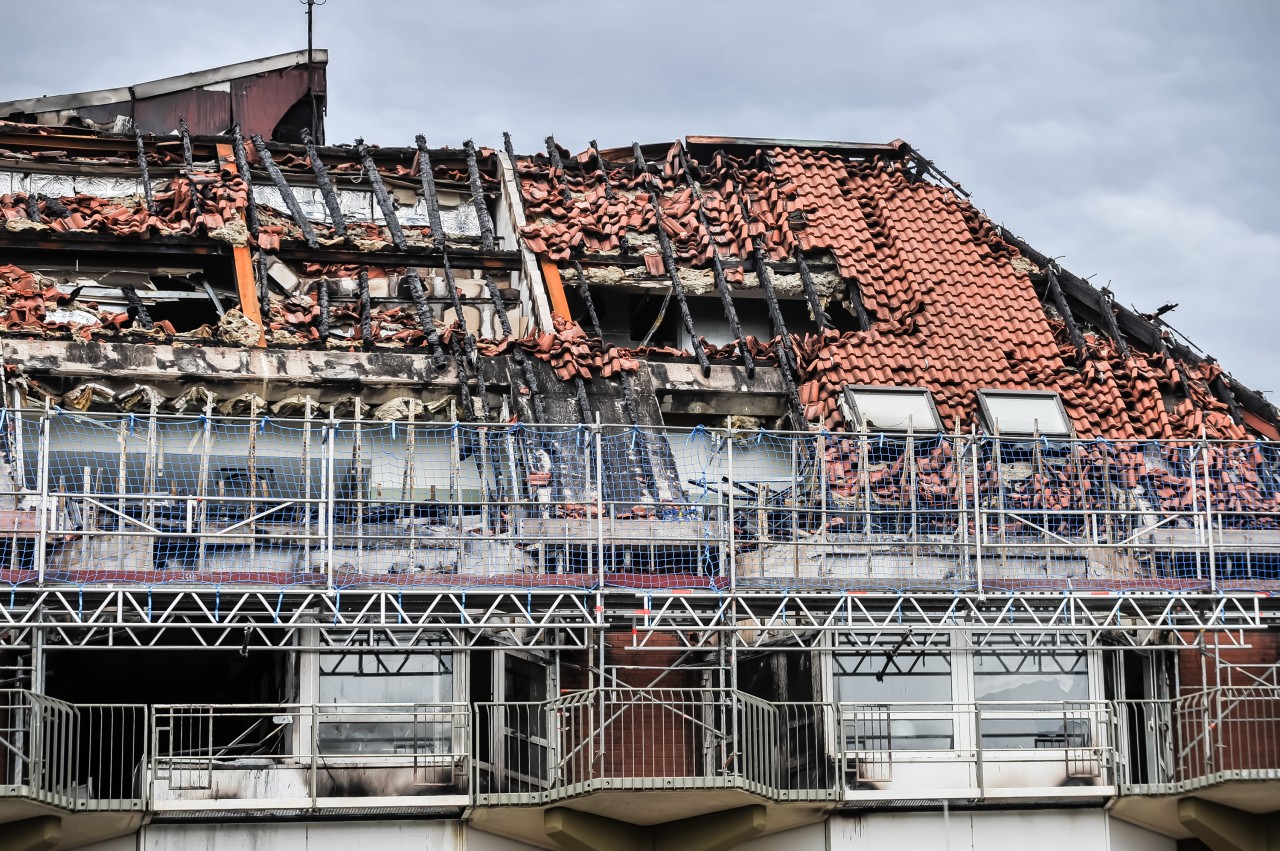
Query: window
[1026,695]
[1022,412]
[380,700]
[891,409]
[900,695]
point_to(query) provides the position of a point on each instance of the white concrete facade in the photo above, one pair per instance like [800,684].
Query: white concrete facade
[1047,830]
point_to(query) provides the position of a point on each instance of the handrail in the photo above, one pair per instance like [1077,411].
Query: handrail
[134,757]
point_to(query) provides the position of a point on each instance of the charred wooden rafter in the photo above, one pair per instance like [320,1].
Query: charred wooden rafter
[385,202]
[477,197]
[426,316]
[146,174]
[669,260]
[717,268]
[1064,310]
[429,192]
[282,185]
[517,353]
[782,338]
[585,292]
[242,165]
[325,185]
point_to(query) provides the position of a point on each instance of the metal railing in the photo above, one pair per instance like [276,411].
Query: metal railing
[341,503]
[1201,739]
[308,756]
[300,755]
[648,739]
[949,748]
[73,756]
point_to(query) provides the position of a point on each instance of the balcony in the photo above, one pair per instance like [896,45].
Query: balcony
[89,499]
[633,754]
[1220,745]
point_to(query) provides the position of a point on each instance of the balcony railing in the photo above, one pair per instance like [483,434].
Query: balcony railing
[977,749]
[305,756]
[308,757]
[330,503]
[72,756]
[1201,739]
[653,739]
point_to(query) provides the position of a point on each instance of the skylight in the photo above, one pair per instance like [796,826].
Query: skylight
[1024,412]
[891,409]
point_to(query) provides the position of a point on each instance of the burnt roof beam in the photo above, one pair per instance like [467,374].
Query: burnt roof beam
[717,269]
[326,185]
[428,178]
[477,197]
[282,185]
[385,202]
[668,258]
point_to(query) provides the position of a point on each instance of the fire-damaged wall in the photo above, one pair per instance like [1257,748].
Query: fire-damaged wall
[276,97]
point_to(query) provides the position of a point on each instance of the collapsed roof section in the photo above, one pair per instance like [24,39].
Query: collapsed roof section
[699,279]
[899,280]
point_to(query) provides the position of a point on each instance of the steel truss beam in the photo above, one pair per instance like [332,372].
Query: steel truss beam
[805,621]
[220,617]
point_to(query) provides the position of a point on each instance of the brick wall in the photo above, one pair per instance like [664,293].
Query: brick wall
[636,738]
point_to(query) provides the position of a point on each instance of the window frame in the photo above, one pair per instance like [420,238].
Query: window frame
[989,419]
[848,400]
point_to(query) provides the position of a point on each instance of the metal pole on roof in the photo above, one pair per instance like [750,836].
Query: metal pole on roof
[311,92]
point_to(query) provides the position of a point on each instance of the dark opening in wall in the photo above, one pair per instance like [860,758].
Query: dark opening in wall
[116,682]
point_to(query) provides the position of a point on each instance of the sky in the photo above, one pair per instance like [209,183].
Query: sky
[1138,142]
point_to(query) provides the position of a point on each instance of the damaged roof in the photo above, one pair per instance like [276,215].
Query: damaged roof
[903,281]
[953,303]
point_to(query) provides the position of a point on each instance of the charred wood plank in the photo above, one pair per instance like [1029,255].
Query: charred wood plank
[385,203]
[668,258]
[426,317]
[325,184]
[1064,310]
[282,185]
[477,197]
[429,192]
[146,172]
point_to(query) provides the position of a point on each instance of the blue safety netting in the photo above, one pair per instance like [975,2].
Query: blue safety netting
[348,504]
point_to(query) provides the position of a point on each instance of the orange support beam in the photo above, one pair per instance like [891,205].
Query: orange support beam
[246,282]
[555,288]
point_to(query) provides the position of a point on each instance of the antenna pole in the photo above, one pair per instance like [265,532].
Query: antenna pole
[311,90]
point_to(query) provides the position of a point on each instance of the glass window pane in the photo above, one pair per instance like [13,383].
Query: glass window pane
[375,676]
[1025,413]
[918,671]
[893,409]
[1031,675]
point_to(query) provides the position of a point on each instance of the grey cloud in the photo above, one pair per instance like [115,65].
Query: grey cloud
[1137,140]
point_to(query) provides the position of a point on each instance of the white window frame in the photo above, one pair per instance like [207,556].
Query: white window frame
[992,427]
[849,404]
